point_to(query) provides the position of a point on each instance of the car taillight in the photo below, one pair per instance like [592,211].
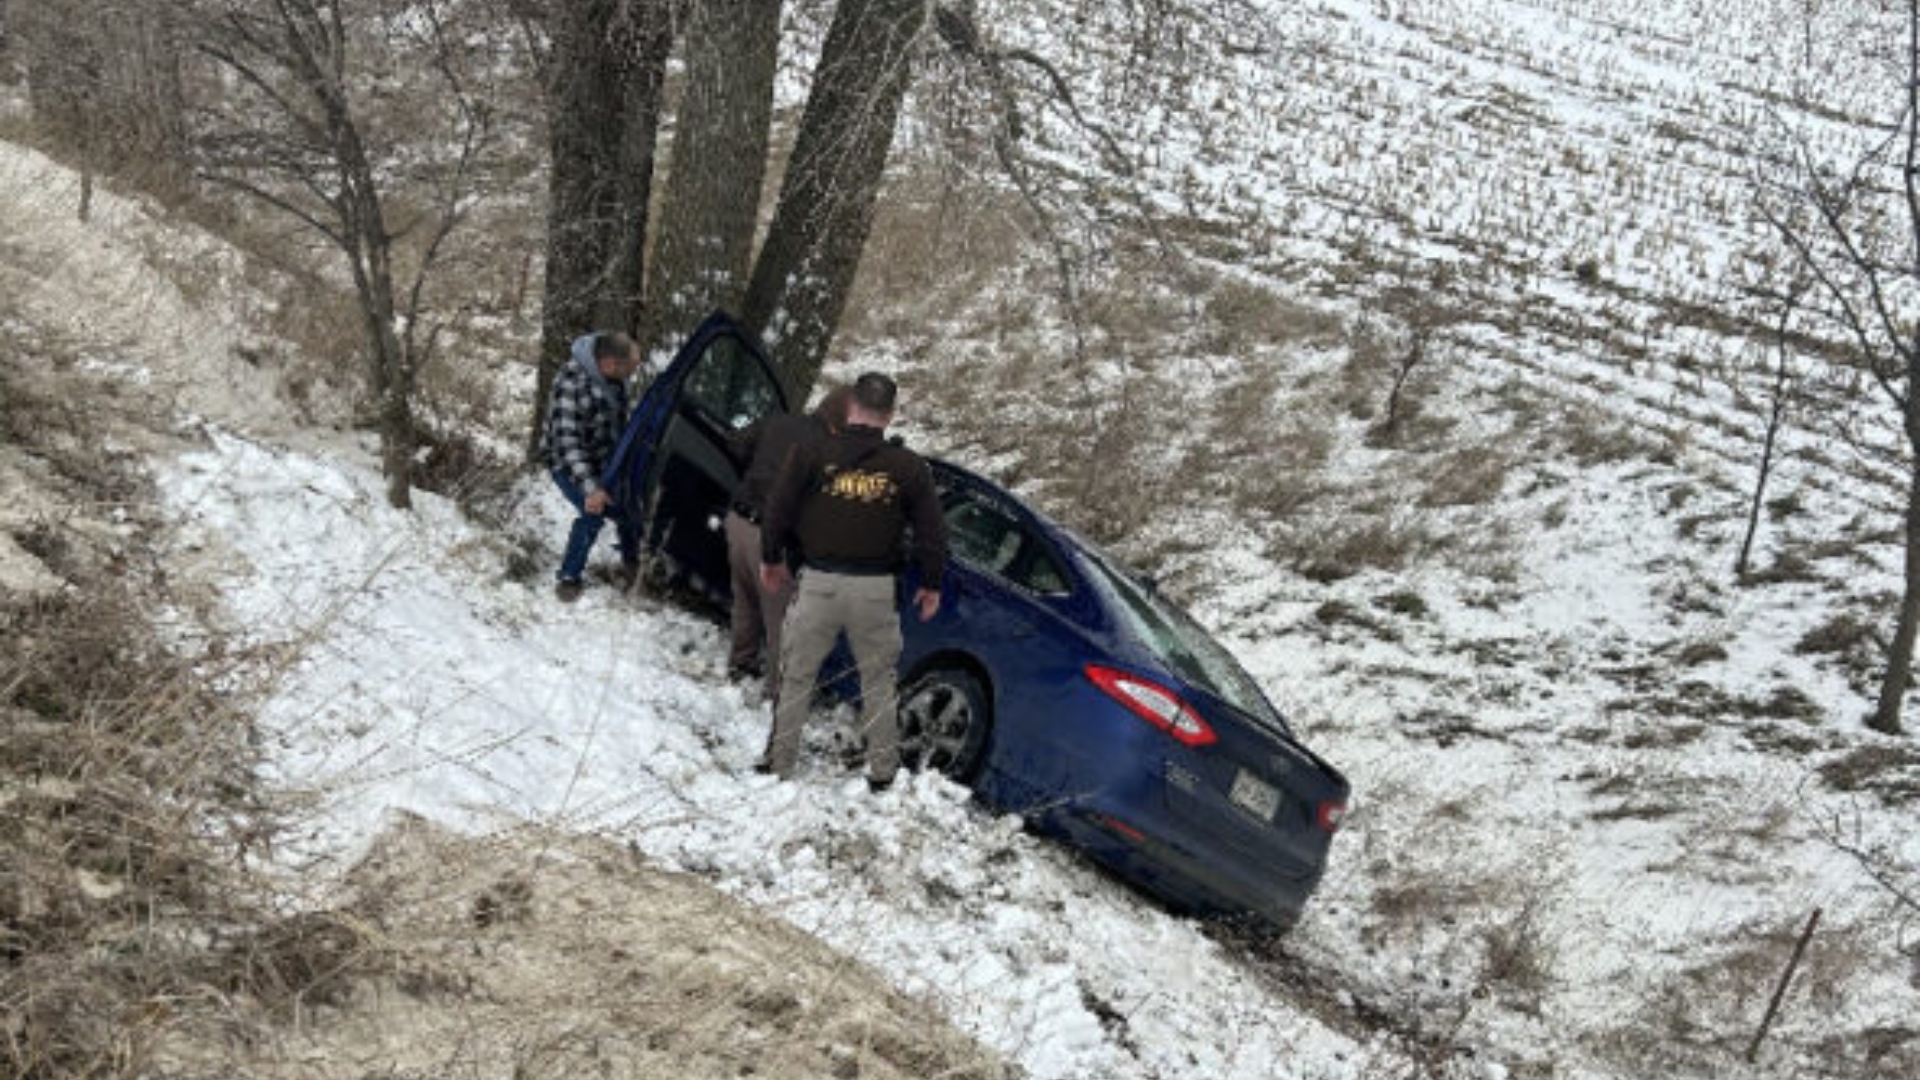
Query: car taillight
[1153,703]
[1330,815]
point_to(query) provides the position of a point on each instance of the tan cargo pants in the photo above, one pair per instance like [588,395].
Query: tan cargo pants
[823,605]
[757,613]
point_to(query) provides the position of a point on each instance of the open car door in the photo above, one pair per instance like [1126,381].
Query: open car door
[672,472]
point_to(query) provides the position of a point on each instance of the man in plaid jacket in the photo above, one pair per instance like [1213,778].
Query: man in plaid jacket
[585,416]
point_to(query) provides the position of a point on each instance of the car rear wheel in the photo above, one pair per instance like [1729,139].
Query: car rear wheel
[944,718]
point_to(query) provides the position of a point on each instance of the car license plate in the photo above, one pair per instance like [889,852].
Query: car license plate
[1254,795]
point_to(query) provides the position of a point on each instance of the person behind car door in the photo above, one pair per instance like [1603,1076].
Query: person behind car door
[757,611]
[845,503]
[585,415]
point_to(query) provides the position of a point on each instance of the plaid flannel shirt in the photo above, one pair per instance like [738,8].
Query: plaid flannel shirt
[585,416]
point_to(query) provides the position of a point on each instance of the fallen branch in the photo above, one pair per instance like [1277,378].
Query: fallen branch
[1780,991]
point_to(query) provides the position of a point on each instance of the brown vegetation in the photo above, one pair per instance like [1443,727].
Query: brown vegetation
[125,799]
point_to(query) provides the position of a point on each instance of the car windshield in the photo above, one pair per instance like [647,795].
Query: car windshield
[1181,642]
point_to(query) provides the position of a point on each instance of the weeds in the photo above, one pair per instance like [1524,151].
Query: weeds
[1517,957]
[1469,476]
[125,763]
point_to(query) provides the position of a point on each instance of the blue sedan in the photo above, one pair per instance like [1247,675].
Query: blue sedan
[1053,682]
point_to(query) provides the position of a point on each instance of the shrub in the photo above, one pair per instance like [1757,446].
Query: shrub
[1467,476]
[1242,314]
[1516,956]
[1403,602]
[1841,635]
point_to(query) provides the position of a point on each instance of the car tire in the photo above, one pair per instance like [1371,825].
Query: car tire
[944,717]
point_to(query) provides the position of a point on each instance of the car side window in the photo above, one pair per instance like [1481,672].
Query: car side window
[986,537]
[729,386]
[1040,573]
[980,536]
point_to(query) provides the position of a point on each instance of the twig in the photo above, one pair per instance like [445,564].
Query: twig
[1780,991]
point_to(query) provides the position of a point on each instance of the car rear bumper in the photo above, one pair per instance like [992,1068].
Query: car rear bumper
[1202,882]
[1163,815]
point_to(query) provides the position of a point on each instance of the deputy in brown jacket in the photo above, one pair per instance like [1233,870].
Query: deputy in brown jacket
[844,503]
[758,613]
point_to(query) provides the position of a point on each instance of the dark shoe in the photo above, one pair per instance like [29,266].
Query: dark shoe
[567,590]
[763,767]
[876,785]
[624,577]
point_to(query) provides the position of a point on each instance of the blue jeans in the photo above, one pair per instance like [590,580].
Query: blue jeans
[586,529]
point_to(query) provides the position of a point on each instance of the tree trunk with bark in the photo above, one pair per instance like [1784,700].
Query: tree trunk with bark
[153,80]
[807,265]
[708,214]
[603,76]
[1899,677]
[1776,418]
[647,42]
[391,370]
[1854,230]
[368,244]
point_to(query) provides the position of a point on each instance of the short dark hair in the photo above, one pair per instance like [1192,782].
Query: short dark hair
[832,409]
[875,392]
[605,345]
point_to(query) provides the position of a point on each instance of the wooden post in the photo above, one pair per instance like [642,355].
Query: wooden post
[1780,992]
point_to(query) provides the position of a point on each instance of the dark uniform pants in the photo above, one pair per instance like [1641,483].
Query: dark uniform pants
[823,606]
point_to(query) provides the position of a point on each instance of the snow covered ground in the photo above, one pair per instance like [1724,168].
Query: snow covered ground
[1595,797]
[429,682]
[1630,850]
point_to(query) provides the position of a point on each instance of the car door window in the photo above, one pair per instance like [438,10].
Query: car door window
[986,537]
[729,387]
[1038,571]
[980,536]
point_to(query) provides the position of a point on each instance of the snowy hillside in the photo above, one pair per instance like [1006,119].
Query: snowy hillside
[1599,786]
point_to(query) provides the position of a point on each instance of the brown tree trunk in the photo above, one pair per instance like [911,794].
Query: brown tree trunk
[1776,415]
[154,83]
[606,64]
[649,33]
[1893,691]
[807,265]
[704,241]
[394,384]
[394,375]
[1893,688]
[390,370]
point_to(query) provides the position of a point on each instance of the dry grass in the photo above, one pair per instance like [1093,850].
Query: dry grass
[1700,1017]
[1347,547]
[1592,438]
[931,227]
[127,791]
[1467,476]
[1517,957]
[545,956]
[1890,771]
[1240,316]
[1842,635]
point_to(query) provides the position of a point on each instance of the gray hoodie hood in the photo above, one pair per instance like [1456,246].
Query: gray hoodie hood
[583,356]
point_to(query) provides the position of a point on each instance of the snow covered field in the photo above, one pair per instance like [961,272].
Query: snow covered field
[1596,795]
